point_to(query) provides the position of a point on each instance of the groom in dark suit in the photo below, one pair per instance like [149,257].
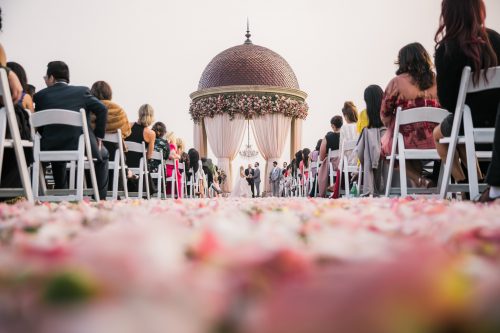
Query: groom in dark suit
[60,95]
[249,173]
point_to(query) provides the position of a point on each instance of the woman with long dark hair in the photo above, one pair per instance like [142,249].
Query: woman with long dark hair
[369,144]
[373,98]
[463,40]
[413,87]
[26,102]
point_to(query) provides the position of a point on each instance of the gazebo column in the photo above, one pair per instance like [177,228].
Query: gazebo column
[295,137]
[200,139]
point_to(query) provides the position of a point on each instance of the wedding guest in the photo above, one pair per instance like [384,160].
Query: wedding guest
[348,130]
[25,101]
[183,156]
[304,166]
[140,132]
[31,90]
[362,121]
[296,163]
[117,117]
[413,87]
[60,95]
[161,145]
[314,167]
[174,156]
[330,142]
[369,145]
[463,40]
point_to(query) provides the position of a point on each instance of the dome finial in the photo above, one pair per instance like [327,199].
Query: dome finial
[248,35]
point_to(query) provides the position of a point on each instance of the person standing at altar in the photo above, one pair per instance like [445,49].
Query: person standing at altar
[274,178]
[249,173]
[256,179]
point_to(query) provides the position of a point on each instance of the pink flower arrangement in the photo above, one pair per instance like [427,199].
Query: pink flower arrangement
[251,105]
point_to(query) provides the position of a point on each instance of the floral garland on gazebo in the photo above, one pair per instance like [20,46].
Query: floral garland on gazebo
[249,105]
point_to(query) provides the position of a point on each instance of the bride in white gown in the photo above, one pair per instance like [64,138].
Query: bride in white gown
[241,187]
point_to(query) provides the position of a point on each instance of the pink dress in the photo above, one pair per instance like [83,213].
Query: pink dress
[170,170]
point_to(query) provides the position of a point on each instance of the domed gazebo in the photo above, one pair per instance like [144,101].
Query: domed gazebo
[248,82]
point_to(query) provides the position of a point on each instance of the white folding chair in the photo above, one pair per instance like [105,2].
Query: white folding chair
[471,135]
[172,180]
[345,167]
[182,170]
[312,180]
[141,170]
[79,156]
[118,164]
[192,183]
[159,174]
[402,154]
[8,117]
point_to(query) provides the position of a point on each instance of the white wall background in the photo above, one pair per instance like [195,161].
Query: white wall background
[154,51]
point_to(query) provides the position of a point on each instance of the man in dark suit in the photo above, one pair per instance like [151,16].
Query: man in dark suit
[60,95]
[249,173]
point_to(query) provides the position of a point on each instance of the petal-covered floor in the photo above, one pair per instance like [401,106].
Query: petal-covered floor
[250,266]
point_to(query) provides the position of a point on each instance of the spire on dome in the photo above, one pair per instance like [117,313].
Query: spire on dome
[248,34]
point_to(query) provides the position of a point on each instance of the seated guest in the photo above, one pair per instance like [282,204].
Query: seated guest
[314,166]
[331,142]
[369,144]
[161,145]
[140,132]
[362,121]
[304,165]
[459,45]
[60,95]
[348,131]
[174,156]
[413,87]
[117,117]
[31,90]
[193,171]
[183,156]
[26,101]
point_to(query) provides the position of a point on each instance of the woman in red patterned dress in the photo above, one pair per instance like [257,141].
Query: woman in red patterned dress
[413,87]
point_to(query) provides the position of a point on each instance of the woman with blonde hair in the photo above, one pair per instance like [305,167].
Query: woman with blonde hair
[140,132]
[175,156]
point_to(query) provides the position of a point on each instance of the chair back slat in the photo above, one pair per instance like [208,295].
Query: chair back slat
[492,82]
[56,117]
[134,147]
[158,156]
[427,114]
[113,137]
[349,144]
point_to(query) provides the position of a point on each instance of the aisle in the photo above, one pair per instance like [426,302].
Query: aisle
[243,265]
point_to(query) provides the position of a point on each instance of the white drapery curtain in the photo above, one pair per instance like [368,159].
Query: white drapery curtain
[271,132]
[200,139]
[225,137]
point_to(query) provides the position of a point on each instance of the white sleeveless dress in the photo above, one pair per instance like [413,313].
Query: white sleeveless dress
[241,188]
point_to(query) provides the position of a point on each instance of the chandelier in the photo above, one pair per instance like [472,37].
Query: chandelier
[248,153]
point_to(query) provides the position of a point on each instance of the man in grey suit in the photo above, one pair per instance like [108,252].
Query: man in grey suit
[256,179]
[274,177]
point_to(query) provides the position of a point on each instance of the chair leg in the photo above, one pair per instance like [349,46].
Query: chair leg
[116,174]
[141,179]
[80,177]
[36,180]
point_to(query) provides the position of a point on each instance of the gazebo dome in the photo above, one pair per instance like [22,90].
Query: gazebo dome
[248,65]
